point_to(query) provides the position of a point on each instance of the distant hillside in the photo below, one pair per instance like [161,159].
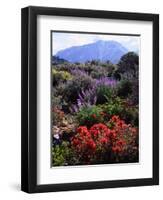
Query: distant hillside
[100,50]
[56,60]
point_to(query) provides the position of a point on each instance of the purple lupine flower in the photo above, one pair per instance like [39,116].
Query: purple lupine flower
[74,108]
[106,81]
[79,103]
[87,98]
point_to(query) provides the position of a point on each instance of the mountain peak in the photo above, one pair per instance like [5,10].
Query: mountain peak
[102,50]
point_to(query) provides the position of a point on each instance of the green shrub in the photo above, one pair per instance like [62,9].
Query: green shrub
[131,115]
[121,108]
[114,107]
[124,88]
[134,97]
[88,116]
[110,68]
[128,65]
[62,154]
[104,94]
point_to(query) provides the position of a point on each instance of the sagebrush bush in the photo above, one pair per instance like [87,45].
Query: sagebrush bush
[60,76]
[99,74]
[75,86]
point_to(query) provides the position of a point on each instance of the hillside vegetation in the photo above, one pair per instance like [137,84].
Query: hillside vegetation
[95,111]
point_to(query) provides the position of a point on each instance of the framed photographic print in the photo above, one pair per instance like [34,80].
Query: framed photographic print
[90,99]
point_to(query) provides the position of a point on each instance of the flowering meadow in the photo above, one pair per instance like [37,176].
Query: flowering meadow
[95,111]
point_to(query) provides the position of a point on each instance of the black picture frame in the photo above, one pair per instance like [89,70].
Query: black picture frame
[29,99]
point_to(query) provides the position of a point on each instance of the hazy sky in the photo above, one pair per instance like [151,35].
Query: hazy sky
[65,40]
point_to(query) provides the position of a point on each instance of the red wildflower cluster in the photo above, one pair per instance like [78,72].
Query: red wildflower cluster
[86,142]
[83,143]
[120,127]
[118,146]
[99,138]
[122,135]
[100,133]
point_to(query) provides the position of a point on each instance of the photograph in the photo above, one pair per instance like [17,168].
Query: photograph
[89,99]
[94,98]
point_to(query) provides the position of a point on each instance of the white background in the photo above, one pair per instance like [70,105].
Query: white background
[10,100]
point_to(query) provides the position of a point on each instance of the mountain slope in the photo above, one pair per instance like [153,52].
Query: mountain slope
[100,50]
